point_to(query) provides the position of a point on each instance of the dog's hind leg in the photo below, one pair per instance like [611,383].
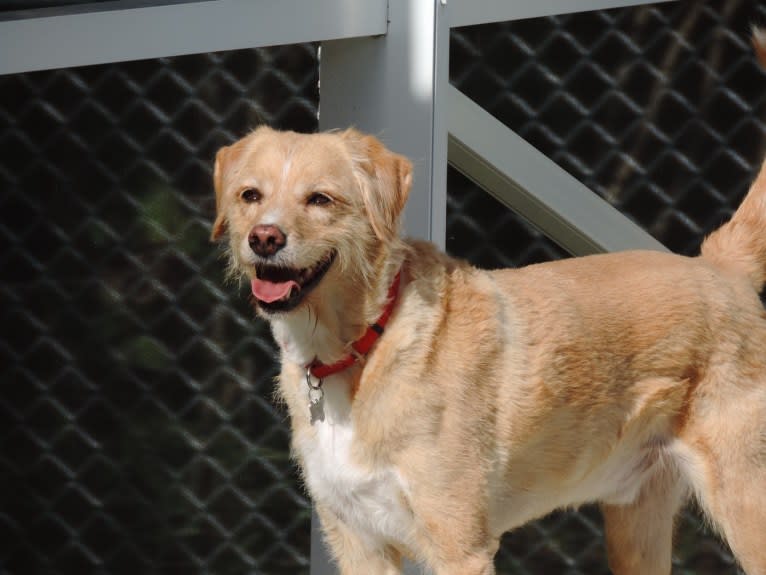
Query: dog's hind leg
[639,535]
[728,471]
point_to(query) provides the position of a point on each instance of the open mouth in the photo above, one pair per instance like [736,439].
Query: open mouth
[277,288]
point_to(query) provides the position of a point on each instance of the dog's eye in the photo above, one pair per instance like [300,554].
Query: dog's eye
[251,195]
[318,199]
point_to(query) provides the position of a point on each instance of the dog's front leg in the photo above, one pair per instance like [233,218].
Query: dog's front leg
[475,565]
[458,548]
[354,553]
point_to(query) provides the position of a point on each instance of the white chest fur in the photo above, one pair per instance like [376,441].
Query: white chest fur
[370,501]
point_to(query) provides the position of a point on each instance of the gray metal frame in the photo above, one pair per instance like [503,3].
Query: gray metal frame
[384,69]
[473,12]
[121,31]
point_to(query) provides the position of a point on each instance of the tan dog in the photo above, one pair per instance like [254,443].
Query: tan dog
[634,379]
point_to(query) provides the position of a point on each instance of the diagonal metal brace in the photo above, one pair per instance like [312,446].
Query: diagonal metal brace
[527,181]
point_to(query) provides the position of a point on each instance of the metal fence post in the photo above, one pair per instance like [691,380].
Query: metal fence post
[394,86]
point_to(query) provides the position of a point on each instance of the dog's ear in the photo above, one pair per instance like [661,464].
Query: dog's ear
[385,179]
[219,227]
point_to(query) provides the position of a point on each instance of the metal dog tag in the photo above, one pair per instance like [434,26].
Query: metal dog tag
[316,404]
[316,398]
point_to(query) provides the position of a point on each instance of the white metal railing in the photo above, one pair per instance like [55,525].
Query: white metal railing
[384,69]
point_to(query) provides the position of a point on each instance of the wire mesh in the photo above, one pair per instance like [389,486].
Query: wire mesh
[137,430]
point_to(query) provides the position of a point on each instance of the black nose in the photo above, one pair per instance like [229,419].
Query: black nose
[266,240]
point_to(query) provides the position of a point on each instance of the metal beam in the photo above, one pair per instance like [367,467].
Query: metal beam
[472,12]
[77,38]
[525,180]
[395,87]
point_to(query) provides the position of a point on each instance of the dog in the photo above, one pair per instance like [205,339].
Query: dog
[435,406]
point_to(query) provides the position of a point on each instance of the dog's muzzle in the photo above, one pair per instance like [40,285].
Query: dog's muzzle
[282,288]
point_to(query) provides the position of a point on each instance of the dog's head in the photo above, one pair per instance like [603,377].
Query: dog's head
[298,208]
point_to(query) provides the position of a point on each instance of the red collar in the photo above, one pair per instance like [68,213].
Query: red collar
[361,347]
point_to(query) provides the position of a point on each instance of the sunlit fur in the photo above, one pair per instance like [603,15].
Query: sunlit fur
[636,380]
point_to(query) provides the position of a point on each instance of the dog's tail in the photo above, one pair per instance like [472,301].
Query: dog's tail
[740,244]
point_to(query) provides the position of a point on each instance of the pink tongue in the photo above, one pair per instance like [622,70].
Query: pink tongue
[271,291]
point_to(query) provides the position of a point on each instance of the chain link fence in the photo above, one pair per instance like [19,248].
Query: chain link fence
[137,429]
